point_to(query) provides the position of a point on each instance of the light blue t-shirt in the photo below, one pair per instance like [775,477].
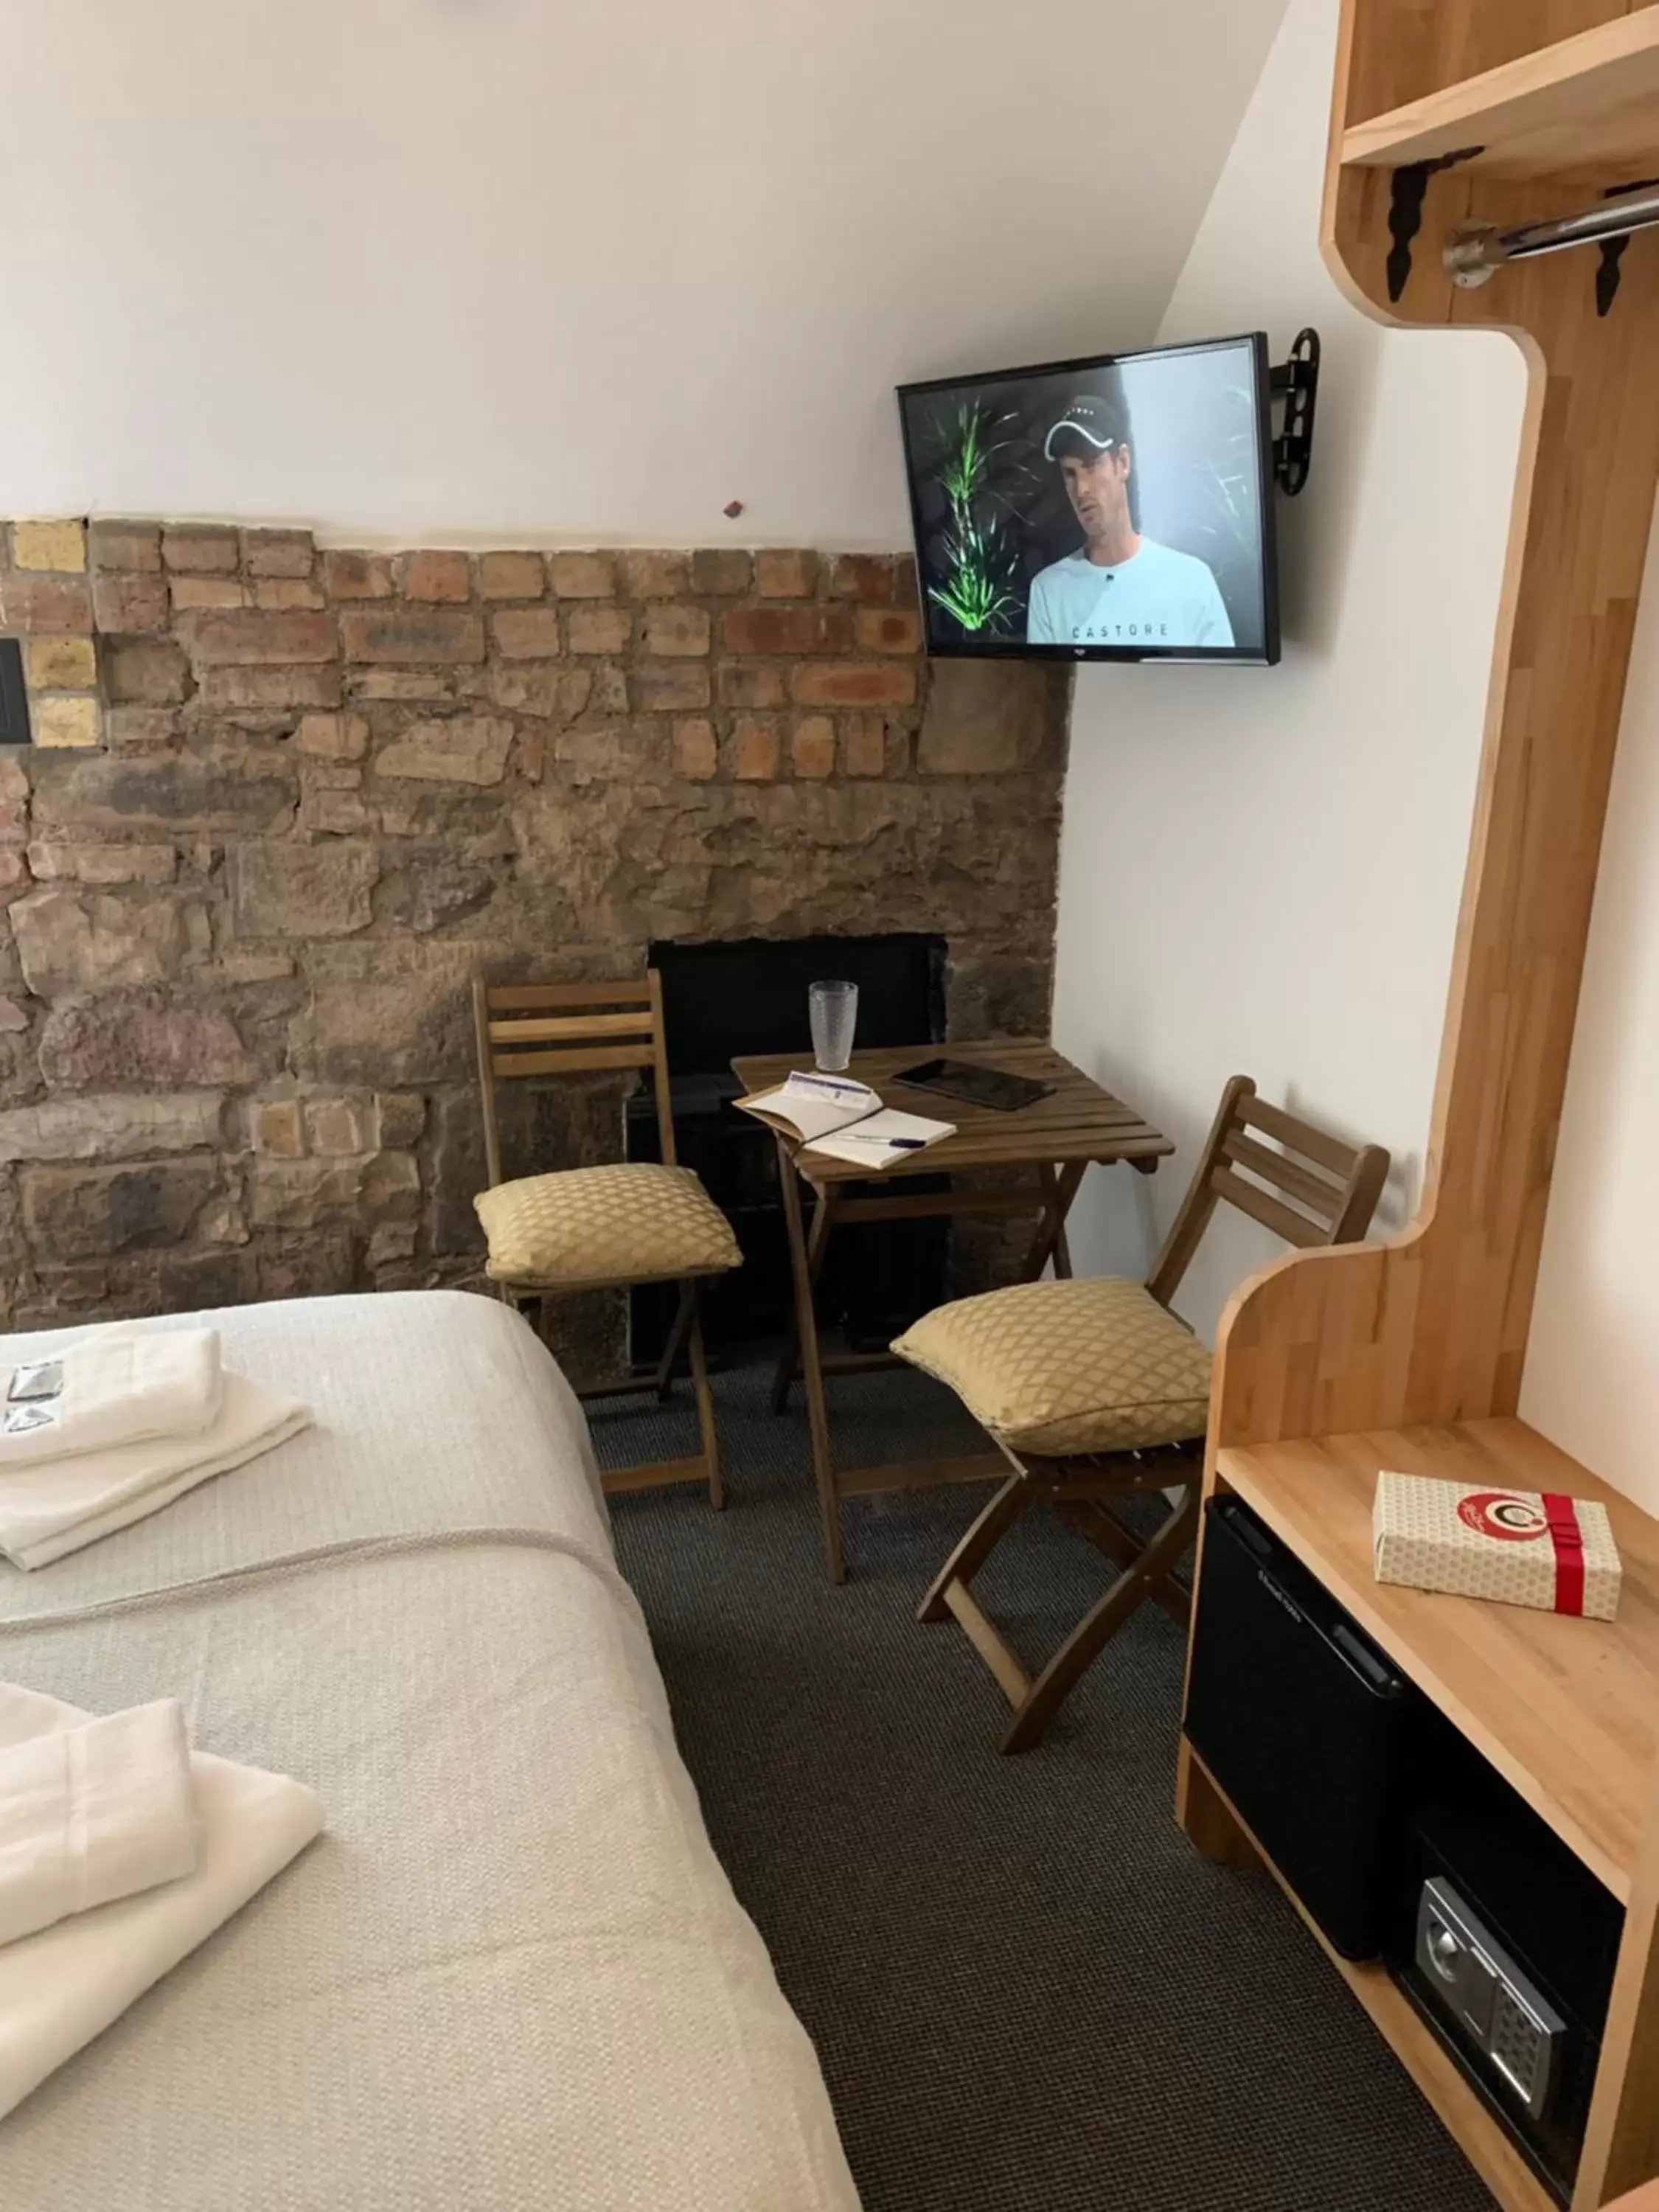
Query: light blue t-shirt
[1158,597]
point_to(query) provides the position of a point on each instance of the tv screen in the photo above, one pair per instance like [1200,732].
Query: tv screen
[1113,508]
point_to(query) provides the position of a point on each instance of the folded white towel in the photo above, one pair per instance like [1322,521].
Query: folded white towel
[93,1813]
[46,1511]
[62,1987]
[119,1386]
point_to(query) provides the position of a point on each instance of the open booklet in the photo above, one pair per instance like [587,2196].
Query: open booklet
[845,1119]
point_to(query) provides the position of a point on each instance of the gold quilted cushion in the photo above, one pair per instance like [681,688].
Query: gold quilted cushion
[1051,1368]
[605,1226]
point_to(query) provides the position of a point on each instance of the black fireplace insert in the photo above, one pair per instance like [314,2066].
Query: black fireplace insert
[724,1000]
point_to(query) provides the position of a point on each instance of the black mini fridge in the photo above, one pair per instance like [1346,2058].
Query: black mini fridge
[1304,1724]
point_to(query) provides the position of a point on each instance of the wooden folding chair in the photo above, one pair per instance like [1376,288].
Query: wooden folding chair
[600,1228]
[1094,1389]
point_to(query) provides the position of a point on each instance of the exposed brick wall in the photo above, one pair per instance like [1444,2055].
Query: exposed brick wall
[281,803]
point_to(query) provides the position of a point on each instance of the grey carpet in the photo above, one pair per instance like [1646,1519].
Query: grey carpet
[1029,1994]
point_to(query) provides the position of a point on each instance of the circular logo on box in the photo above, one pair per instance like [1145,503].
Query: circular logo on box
[1497,1513]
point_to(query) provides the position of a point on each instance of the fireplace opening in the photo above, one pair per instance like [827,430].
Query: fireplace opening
[723,1001]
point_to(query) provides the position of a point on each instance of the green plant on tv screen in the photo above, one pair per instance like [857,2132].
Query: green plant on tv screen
[981,568]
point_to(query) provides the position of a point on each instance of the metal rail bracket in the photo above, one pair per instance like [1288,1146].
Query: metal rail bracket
[1612,249]
[1410,182]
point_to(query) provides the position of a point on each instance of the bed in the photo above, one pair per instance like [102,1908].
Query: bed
[512,1973]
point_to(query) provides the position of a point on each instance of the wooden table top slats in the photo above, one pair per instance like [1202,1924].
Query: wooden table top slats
[1079,1121]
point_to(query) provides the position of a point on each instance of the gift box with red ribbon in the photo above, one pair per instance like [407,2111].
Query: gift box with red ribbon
[1532,1547]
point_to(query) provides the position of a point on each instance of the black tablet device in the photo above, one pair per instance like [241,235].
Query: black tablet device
[975,1086]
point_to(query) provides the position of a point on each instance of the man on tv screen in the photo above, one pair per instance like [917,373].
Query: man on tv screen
[1120,588]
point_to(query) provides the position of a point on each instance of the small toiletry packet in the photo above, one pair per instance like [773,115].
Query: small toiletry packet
[31,1399]
[1520,1547]
[40,1378]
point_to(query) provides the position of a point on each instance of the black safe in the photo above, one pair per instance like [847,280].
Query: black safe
[1506,1943]
[1401,1841]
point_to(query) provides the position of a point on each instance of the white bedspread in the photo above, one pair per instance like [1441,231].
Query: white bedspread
[511,1974]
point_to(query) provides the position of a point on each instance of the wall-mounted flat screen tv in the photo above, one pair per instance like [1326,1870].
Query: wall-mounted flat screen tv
[1113,508]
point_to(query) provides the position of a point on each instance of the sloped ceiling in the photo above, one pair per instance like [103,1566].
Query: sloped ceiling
[571,270]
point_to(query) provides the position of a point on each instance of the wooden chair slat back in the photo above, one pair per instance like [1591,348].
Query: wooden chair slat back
[508,1065]
[543,998]
[569,1029]
[524,1029]
[1305,1185]
[1320,1196]
[1298,1229]
[1297,1135]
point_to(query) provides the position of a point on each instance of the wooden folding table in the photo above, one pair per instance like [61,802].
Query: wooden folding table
[1029,1161]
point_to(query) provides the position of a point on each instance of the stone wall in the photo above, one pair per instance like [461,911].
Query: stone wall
[284,801]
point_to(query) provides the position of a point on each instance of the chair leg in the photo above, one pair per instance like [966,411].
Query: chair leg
[1015,1497]
[1099,1526]
[682,1318]
[706,1429]
[789,1359]
[1096,1628]
[703,1466]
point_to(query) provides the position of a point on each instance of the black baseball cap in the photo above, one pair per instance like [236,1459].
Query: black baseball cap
[1092,422]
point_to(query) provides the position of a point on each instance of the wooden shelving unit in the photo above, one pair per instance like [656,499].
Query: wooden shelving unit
[1589,102]
[1567,1711]
[1332,1365]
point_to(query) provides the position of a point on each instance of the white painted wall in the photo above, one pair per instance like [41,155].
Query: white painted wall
[1592,1374]
[1261,869]
[570,269]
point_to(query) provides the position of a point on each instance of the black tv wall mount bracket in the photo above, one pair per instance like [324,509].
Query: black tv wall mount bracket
[1296,381]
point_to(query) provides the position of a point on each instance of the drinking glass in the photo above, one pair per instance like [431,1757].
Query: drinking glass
[834,1008]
